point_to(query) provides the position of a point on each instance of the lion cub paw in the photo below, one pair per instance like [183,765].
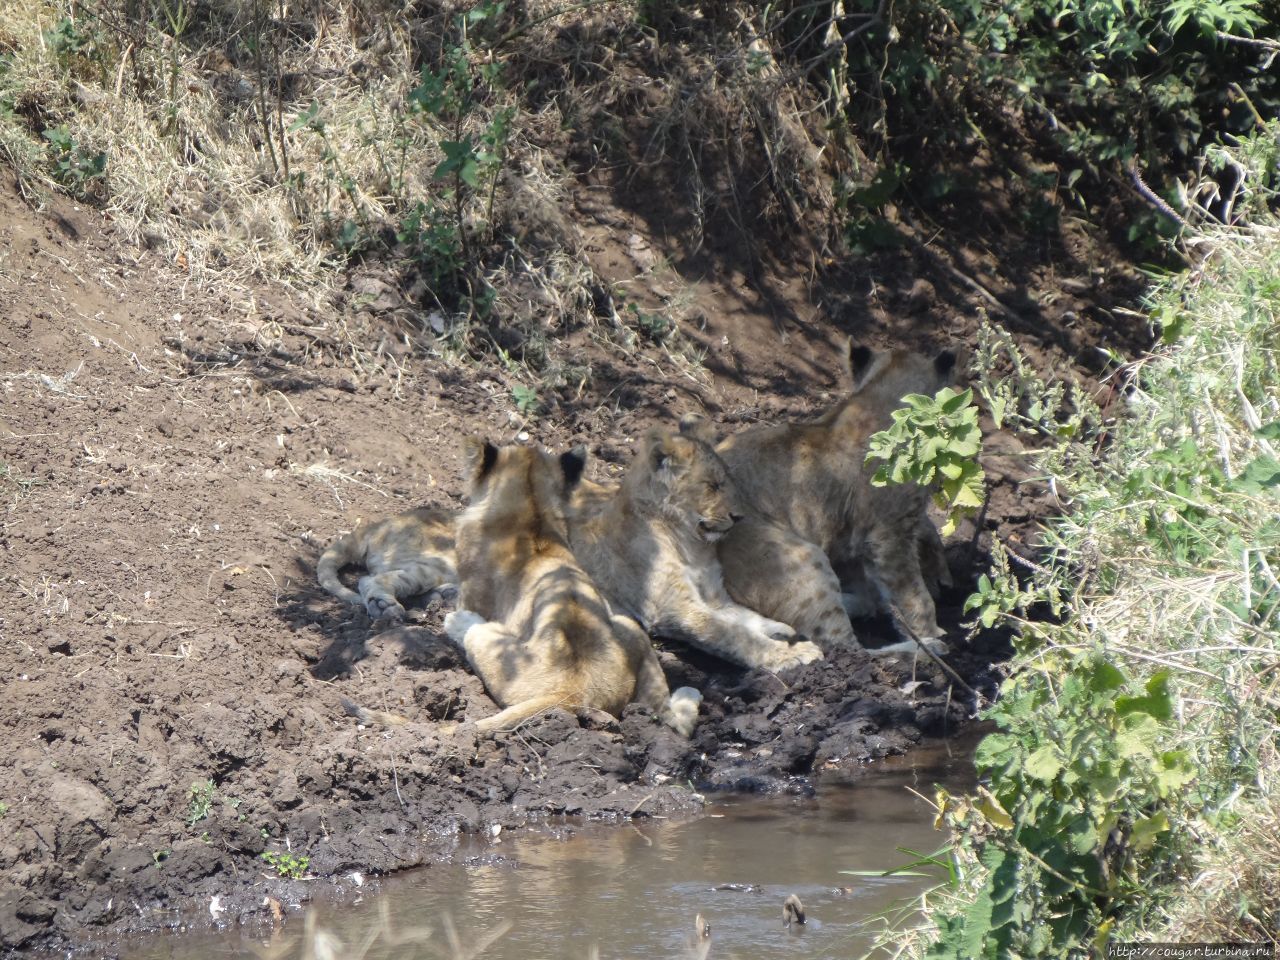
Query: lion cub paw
[458,622]
[934,645]
[384,608]
[797,655]
[937,646]
[777,630]
[684,705]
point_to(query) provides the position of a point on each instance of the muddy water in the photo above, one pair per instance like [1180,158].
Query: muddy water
[633,891]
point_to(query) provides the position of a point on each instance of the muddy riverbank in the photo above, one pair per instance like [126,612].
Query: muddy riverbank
[171,678]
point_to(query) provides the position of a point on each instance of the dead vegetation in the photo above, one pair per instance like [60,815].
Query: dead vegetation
[424,162]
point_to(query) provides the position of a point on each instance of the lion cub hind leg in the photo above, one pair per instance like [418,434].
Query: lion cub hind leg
[774,572]
[381,592]
[933,558]
[678,710]
[490,648]
[897,574]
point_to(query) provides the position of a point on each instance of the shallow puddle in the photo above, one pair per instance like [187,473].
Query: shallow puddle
[633,891]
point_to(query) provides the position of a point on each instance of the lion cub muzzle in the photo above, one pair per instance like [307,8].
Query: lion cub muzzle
[712,529]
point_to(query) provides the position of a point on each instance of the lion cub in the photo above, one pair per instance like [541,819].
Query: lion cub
[406,555]
[532,624]
[813,504]
[650,544]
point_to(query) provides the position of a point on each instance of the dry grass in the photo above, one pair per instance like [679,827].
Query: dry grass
[253,141]
[1235,893]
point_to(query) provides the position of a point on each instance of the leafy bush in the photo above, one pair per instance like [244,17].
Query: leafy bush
[1139,727]
[1076,825]
[934,442]
[1111,88]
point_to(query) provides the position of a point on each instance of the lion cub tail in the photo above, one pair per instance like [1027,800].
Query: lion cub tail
[681,711]
[372,717]
[337,555]
[518,713]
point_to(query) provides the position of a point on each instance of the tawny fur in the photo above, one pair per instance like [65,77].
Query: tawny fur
[650,545]
[406,555]
[531,622]
[812,505]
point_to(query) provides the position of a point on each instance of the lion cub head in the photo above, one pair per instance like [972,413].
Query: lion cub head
[881,378]
[519,488]
[681,478]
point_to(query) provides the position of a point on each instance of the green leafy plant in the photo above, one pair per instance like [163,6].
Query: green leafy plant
[453,95]
[433,242]
[652,325]
[998,595]
[73,166]
[866,228]
[1082,782]
[286,864]
[348,234]
[934,442]
[526,399]
[201,803]
[67,39]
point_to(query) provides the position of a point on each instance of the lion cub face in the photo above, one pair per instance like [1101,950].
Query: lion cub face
[689,483]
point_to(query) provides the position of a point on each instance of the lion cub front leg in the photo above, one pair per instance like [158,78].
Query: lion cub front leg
[741,636]
[678,709]
[898,575]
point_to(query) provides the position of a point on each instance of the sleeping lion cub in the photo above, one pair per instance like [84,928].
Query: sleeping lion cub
[650,545]
[532,624]
[406,555]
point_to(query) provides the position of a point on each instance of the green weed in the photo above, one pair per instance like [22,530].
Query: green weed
[201,802]
[526,399]
[72,165]
[287,865]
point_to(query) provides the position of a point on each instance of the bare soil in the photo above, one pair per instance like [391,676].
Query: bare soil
[172,460]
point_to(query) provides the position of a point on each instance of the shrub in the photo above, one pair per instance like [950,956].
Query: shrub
[1137,730]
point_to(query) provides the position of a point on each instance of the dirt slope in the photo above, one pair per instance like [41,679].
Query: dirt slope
[172,461]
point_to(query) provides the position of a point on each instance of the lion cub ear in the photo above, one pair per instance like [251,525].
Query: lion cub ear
[699,427]
[572,463]
[480,456]
[859,360]
[658,448]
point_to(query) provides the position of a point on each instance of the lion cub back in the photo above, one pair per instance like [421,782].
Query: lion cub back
[531,621]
